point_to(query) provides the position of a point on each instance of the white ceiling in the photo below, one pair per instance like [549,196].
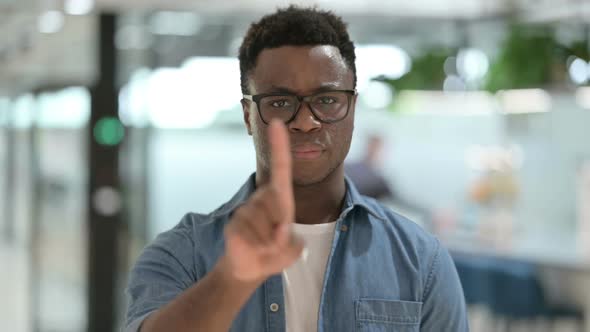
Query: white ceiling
[420,8]
[470,9]
[29,58]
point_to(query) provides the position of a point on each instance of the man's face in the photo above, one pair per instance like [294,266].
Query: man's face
[317,148]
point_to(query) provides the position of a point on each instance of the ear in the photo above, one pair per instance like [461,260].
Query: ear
[246,113]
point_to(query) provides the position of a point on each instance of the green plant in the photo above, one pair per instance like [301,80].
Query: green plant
[427,71]
[529,57]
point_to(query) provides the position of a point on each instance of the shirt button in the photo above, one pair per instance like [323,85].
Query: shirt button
[274,307]
[343,228]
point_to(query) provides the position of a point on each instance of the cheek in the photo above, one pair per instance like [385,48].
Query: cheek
[259,136]
[339,139]
[348,139]
[329,139]
[257,127]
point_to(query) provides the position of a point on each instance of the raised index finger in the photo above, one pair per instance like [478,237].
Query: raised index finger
[280,168]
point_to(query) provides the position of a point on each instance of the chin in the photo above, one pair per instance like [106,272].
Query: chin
[306,181]
[304,176]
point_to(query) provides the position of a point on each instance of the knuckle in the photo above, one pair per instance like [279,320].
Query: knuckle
[258,204]
[242,212]
[229,231]
[265,194]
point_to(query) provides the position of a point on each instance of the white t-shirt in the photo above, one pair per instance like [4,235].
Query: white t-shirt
[303,281]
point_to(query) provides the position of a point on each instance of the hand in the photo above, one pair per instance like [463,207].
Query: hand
[258,239]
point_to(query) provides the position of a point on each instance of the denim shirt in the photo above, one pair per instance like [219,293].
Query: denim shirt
[384,273]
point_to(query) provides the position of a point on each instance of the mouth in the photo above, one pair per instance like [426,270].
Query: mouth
[307,151]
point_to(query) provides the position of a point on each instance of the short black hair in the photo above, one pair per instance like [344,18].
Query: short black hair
[298,27]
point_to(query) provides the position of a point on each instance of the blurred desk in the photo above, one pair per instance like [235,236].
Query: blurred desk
[546,250]
[564,269]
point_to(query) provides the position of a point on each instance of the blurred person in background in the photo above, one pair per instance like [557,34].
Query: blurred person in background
[366,175]
[298,248]
[365,172]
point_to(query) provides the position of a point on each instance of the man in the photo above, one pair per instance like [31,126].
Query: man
[370,181]
[364,173]
[243,267]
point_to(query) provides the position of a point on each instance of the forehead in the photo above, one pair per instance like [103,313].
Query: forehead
[301,69]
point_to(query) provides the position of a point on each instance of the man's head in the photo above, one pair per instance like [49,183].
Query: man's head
[302,52]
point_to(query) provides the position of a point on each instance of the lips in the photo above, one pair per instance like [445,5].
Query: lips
[307,151]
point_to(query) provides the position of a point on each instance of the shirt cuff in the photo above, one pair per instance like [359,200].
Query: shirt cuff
[136,323]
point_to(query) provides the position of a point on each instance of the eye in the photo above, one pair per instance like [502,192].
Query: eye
[280,103]
[325,100]
[277,102]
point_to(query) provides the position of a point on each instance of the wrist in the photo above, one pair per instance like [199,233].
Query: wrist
[225,272]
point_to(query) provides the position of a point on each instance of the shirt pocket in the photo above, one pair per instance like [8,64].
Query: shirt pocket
[387,315]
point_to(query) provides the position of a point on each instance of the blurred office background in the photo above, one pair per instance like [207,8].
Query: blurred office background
[116,118]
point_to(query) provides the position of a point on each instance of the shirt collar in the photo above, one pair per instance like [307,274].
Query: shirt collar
[352,199]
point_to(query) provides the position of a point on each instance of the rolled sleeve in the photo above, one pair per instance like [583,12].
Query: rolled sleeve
[163,271]
[135,324]
[443,303]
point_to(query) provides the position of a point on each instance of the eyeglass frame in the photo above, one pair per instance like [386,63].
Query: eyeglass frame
[256,99]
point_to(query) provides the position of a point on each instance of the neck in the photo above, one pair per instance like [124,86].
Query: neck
[320,202]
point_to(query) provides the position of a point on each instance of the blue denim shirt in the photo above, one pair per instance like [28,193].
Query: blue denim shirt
[384,273]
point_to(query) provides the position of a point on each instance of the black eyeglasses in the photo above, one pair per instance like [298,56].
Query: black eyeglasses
[326,106]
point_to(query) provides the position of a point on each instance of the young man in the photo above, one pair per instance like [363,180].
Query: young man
[297,248]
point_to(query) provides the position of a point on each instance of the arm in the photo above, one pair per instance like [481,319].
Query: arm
[217,299]
[166,293]
[258,243]
[443,301]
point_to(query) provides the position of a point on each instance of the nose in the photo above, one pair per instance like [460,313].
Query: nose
[304,121]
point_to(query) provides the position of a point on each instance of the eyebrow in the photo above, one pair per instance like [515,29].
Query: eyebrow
[322,87]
